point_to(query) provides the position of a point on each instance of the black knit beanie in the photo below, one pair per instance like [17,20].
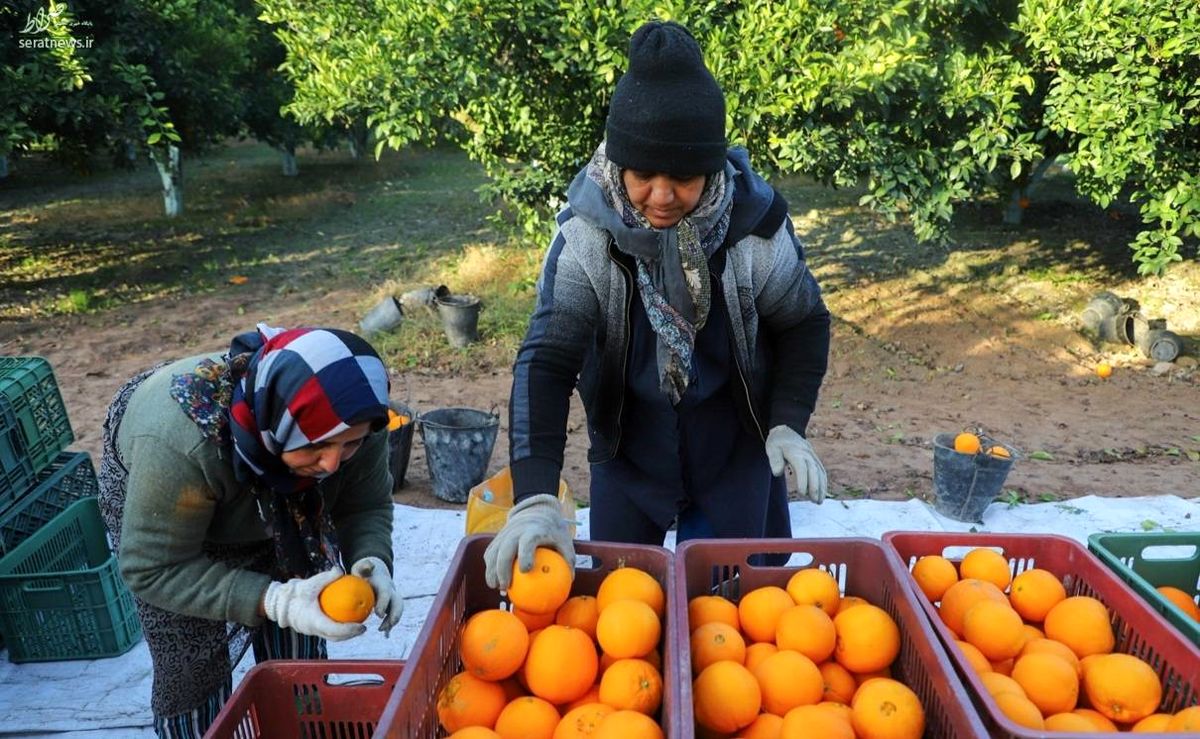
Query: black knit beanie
[667,112]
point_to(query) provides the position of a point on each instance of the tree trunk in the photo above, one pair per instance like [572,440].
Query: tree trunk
[1019,200]
[131,151]
[3,166]
[359,135]
[290,169]
[171,174]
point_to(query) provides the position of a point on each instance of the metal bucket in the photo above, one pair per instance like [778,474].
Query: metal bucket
[458,446]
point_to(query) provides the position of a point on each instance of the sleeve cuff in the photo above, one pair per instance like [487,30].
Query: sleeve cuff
[246,594]
[532,476]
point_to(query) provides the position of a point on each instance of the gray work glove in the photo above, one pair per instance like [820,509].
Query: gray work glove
[785,446]
[295,605]
[388,603]
[535,522]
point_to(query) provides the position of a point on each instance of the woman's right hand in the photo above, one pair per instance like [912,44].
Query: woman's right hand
[295,605]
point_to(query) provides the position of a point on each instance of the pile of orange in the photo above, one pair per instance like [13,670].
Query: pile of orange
[561,667]
[396,420]
[1045,658]
[969,443]
[798,662]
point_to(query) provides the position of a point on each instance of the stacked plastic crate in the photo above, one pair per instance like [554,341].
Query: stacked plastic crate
[61,596]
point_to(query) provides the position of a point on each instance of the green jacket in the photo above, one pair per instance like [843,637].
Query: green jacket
[182,494]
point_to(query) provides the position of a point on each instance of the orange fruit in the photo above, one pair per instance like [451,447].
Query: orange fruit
[714,642]
[760,609]
[1186,720]
[528,717]
[545,587]
[1033,632]
[561,664]
[726,696]
[1069,722]
[469,701]
[591,696]
[581,722]
[630,583]
[705,609]
[1020,710]
[1034,592]
[580,612]
[997,684]
[348,599]
[999,452]
[967,443]
[1104,370]
[534,621]
[838,709]
[861,678]
[628,725]
[1122,687]
[934,575]
[396,420]
[766,726]
[475,732]
[1099,720]
[838,683]
[887,708]
[1049,646]
[814,722]
[1180,599]
[974,657]
[959,598]
[788,679]
[995,628]
[849,601]
[815,587]
[1003,666]
[628,628]
[1081,622]
[632,685]
[988,565]
[493,644]
[1155,723]
[1049,681]
[808,630]
[867,639]
[757,652]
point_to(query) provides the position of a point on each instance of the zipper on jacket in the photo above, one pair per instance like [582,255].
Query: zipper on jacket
[629,288]
[737,361]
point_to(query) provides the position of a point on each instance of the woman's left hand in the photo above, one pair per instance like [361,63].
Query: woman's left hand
[388,603]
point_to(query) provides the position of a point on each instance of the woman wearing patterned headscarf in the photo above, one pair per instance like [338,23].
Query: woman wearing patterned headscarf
[234,488]
[676,296]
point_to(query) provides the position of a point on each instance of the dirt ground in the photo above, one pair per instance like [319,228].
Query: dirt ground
[926,340]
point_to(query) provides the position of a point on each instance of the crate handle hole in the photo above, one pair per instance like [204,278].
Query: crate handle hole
[1167,552]
[587,562]
[957,552]
[791,560]
[42,586]
[347,679]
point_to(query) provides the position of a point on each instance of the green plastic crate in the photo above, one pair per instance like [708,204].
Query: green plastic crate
[70,477]
[29,394]
[16,471]
[61,595]
[1131,558]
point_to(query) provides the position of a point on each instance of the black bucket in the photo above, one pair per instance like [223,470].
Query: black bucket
[400,445]
[460,318]
[458,446]
[964,485]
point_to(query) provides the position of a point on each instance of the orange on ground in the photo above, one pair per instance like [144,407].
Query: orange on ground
[714,642]
[726,697]
[1034,592]
[493,644]
[1020,710]
[581,722]
[529,717]
[475,732]
[808,630]
[974,657]
[348,599]
[1180,599]
[705,609]
[966,443]
[561,665]
[1104,370]
[867,639]
[1186,720]
[628,628]
[545,587]
[997,684]
[815,587]
[625,583]
[469,701]
[788,679]
[628,725]
[849,601]
[1122,687]
[887,708]
[766,726]
[1049,646]
[934,575]
[1049,681]
[1099,720]
[959,598]
[1155,723]
[534,621]
[838,683]
[632,685]
[1069,722]
[580,611]
[986,564]
[995,628]
[814,722]
[756,653]
[759,611]
[1081,622]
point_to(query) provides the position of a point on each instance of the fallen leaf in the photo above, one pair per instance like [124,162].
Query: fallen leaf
[239,280]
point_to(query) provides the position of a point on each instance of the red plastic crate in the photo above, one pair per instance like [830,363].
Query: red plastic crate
[411,711]
[862,568]
[1139,630]
[308,698]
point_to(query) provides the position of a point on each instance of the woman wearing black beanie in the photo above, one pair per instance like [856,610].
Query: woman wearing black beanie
[676,297]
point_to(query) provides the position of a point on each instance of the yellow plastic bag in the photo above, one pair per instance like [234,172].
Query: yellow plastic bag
[489,502]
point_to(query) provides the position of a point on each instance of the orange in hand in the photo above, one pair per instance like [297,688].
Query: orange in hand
[545,587]
[347,599]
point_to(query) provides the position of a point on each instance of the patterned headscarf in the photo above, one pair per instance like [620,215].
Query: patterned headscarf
[277,391]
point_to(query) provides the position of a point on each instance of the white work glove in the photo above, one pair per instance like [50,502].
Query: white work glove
[535,522]
[784,445]
[388,603]
[294,605]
